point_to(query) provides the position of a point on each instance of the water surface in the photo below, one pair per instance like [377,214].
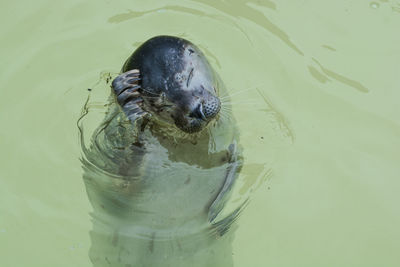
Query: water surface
[314,88]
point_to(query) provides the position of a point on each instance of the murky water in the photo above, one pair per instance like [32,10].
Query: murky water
[314,89]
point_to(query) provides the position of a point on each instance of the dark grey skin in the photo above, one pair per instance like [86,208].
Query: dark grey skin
[162,164]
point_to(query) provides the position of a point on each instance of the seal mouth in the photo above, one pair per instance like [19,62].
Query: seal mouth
[189,116]
[193,126]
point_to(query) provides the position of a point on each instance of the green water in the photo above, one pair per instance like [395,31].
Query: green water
[315,90]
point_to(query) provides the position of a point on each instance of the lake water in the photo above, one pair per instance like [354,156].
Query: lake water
[315,90]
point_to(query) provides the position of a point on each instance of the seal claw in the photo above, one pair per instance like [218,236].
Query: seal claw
[126,87]
[126,80]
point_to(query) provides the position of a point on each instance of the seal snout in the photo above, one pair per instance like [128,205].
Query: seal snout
[201,114]
[206,110]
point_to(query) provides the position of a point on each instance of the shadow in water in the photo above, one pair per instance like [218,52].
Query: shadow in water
[158,201]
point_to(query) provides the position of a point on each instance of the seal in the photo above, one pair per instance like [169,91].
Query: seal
[177,84]
[162,164]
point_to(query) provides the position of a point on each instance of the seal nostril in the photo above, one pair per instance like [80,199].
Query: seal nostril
[198,113]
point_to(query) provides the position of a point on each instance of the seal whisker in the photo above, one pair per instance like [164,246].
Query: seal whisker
[230,103]
[223,120]
[225,115]
[241,103]
[226,107]
[239,91]
[226,110]
[226,102]
[225,95]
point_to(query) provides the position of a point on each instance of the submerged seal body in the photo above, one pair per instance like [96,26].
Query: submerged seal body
[162,164]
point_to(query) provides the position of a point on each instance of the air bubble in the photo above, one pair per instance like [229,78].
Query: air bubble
[374,5]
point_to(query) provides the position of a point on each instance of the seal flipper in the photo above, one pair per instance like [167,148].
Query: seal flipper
[233,170]
[125,80]
[126,89]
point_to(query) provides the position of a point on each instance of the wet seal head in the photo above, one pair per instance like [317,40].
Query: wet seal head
[169,79]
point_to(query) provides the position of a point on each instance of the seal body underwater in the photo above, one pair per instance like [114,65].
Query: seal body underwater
[161,165]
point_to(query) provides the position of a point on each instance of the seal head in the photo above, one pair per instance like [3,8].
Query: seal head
[173,82]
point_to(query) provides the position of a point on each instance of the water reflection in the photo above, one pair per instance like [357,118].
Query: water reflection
[243,9]
[340,78]
[157,203]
